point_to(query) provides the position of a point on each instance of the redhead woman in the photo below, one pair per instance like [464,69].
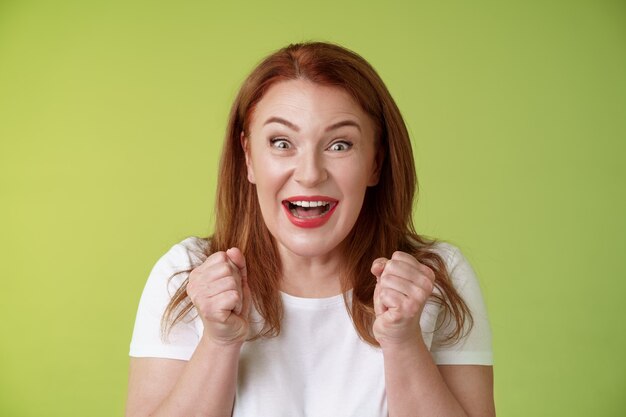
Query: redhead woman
[315,296]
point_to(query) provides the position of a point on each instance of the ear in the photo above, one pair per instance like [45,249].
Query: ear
[245,145]
[378,165]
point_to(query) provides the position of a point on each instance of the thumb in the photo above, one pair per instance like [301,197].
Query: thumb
[247,300]
[236,257]
[379,308]
[378,266]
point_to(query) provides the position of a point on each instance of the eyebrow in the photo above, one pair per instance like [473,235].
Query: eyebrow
[297,129]
[342,124]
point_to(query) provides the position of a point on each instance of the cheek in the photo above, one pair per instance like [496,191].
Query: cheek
[356,178]
[269,177]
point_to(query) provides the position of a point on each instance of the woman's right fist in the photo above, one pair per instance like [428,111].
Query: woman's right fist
[219,291]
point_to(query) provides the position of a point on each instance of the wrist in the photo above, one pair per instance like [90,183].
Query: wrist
[401,345]
[222,345]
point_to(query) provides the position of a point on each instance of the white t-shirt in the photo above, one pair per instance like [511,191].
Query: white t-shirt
[318,366]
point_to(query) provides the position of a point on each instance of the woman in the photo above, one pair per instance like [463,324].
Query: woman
[315,296]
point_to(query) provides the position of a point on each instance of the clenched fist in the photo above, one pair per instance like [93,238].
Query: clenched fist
[219,291]
[402,289]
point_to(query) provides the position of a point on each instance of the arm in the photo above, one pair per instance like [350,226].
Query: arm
[202,386]
[416,386]
[472,386]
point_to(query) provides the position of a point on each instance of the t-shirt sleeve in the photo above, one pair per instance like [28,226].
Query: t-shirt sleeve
[181,341]
[475,347]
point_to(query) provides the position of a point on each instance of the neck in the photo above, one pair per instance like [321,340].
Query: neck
[307,277]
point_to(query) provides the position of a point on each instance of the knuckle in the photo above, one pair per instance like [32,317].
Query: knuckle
[222,269]
[391,268]
[200,305]
[422,296]
[384,280]
[233,296]
[190,291]
[194,274]
[428,286]
[426,270]
[221,317]
[219,256]
[431,275]
[413,308]
[230,285]
[385,292]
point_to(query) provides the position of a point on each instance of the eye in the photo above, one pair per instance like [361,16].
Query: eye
[340,146]
[280,143]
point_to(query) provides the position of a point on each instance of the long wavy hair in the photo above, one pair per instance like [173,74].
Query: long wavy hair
[384,225]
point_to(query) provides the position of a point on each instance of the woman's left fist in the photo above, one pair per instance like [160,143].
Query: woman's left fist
[402,289]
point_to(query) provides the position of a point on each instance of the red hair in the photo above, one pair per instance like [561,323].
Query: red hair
[385,223]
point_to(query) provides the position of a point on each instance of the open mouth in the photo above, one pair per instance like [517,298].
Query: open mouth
[309,209]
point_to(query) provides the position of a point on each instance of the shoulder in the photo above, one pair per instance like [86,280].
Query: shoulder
[166,277]
[188,252]
[181,257]
[446,250]
[474,348]
[457,265]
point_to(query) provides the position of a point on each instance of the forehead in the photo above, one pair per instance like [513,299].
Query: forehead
[307,103]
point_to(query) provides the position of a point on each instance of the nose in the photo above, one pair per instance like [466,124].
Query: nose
[310,170]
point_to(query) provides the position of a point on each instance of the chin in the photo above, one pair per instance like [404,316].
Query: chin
[308,248]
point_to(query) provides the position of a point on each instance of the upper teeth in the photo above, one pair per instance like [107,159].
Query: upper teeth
[309,203]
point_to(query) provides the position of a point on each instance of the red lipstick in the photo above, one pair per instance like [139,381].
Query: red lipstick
[309,211]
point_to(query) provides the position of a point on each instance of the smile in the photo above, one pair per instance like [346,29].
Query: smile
[309,211]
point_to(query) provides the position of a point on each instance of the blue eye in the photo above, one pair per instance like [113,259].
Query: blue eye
[280,143]
[340,146]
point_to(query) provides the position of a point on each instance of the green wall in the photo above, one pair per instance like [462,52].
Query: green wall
[111,120]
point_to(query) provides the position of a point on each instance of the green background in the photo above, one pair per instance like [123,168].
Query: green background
[112,115]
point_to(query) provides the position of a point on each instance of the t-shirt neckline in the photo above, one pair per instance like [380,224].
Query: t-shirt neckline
[314,302]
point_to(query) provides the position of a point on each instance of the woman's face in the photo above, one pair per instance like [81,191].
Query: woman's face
[311,151]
